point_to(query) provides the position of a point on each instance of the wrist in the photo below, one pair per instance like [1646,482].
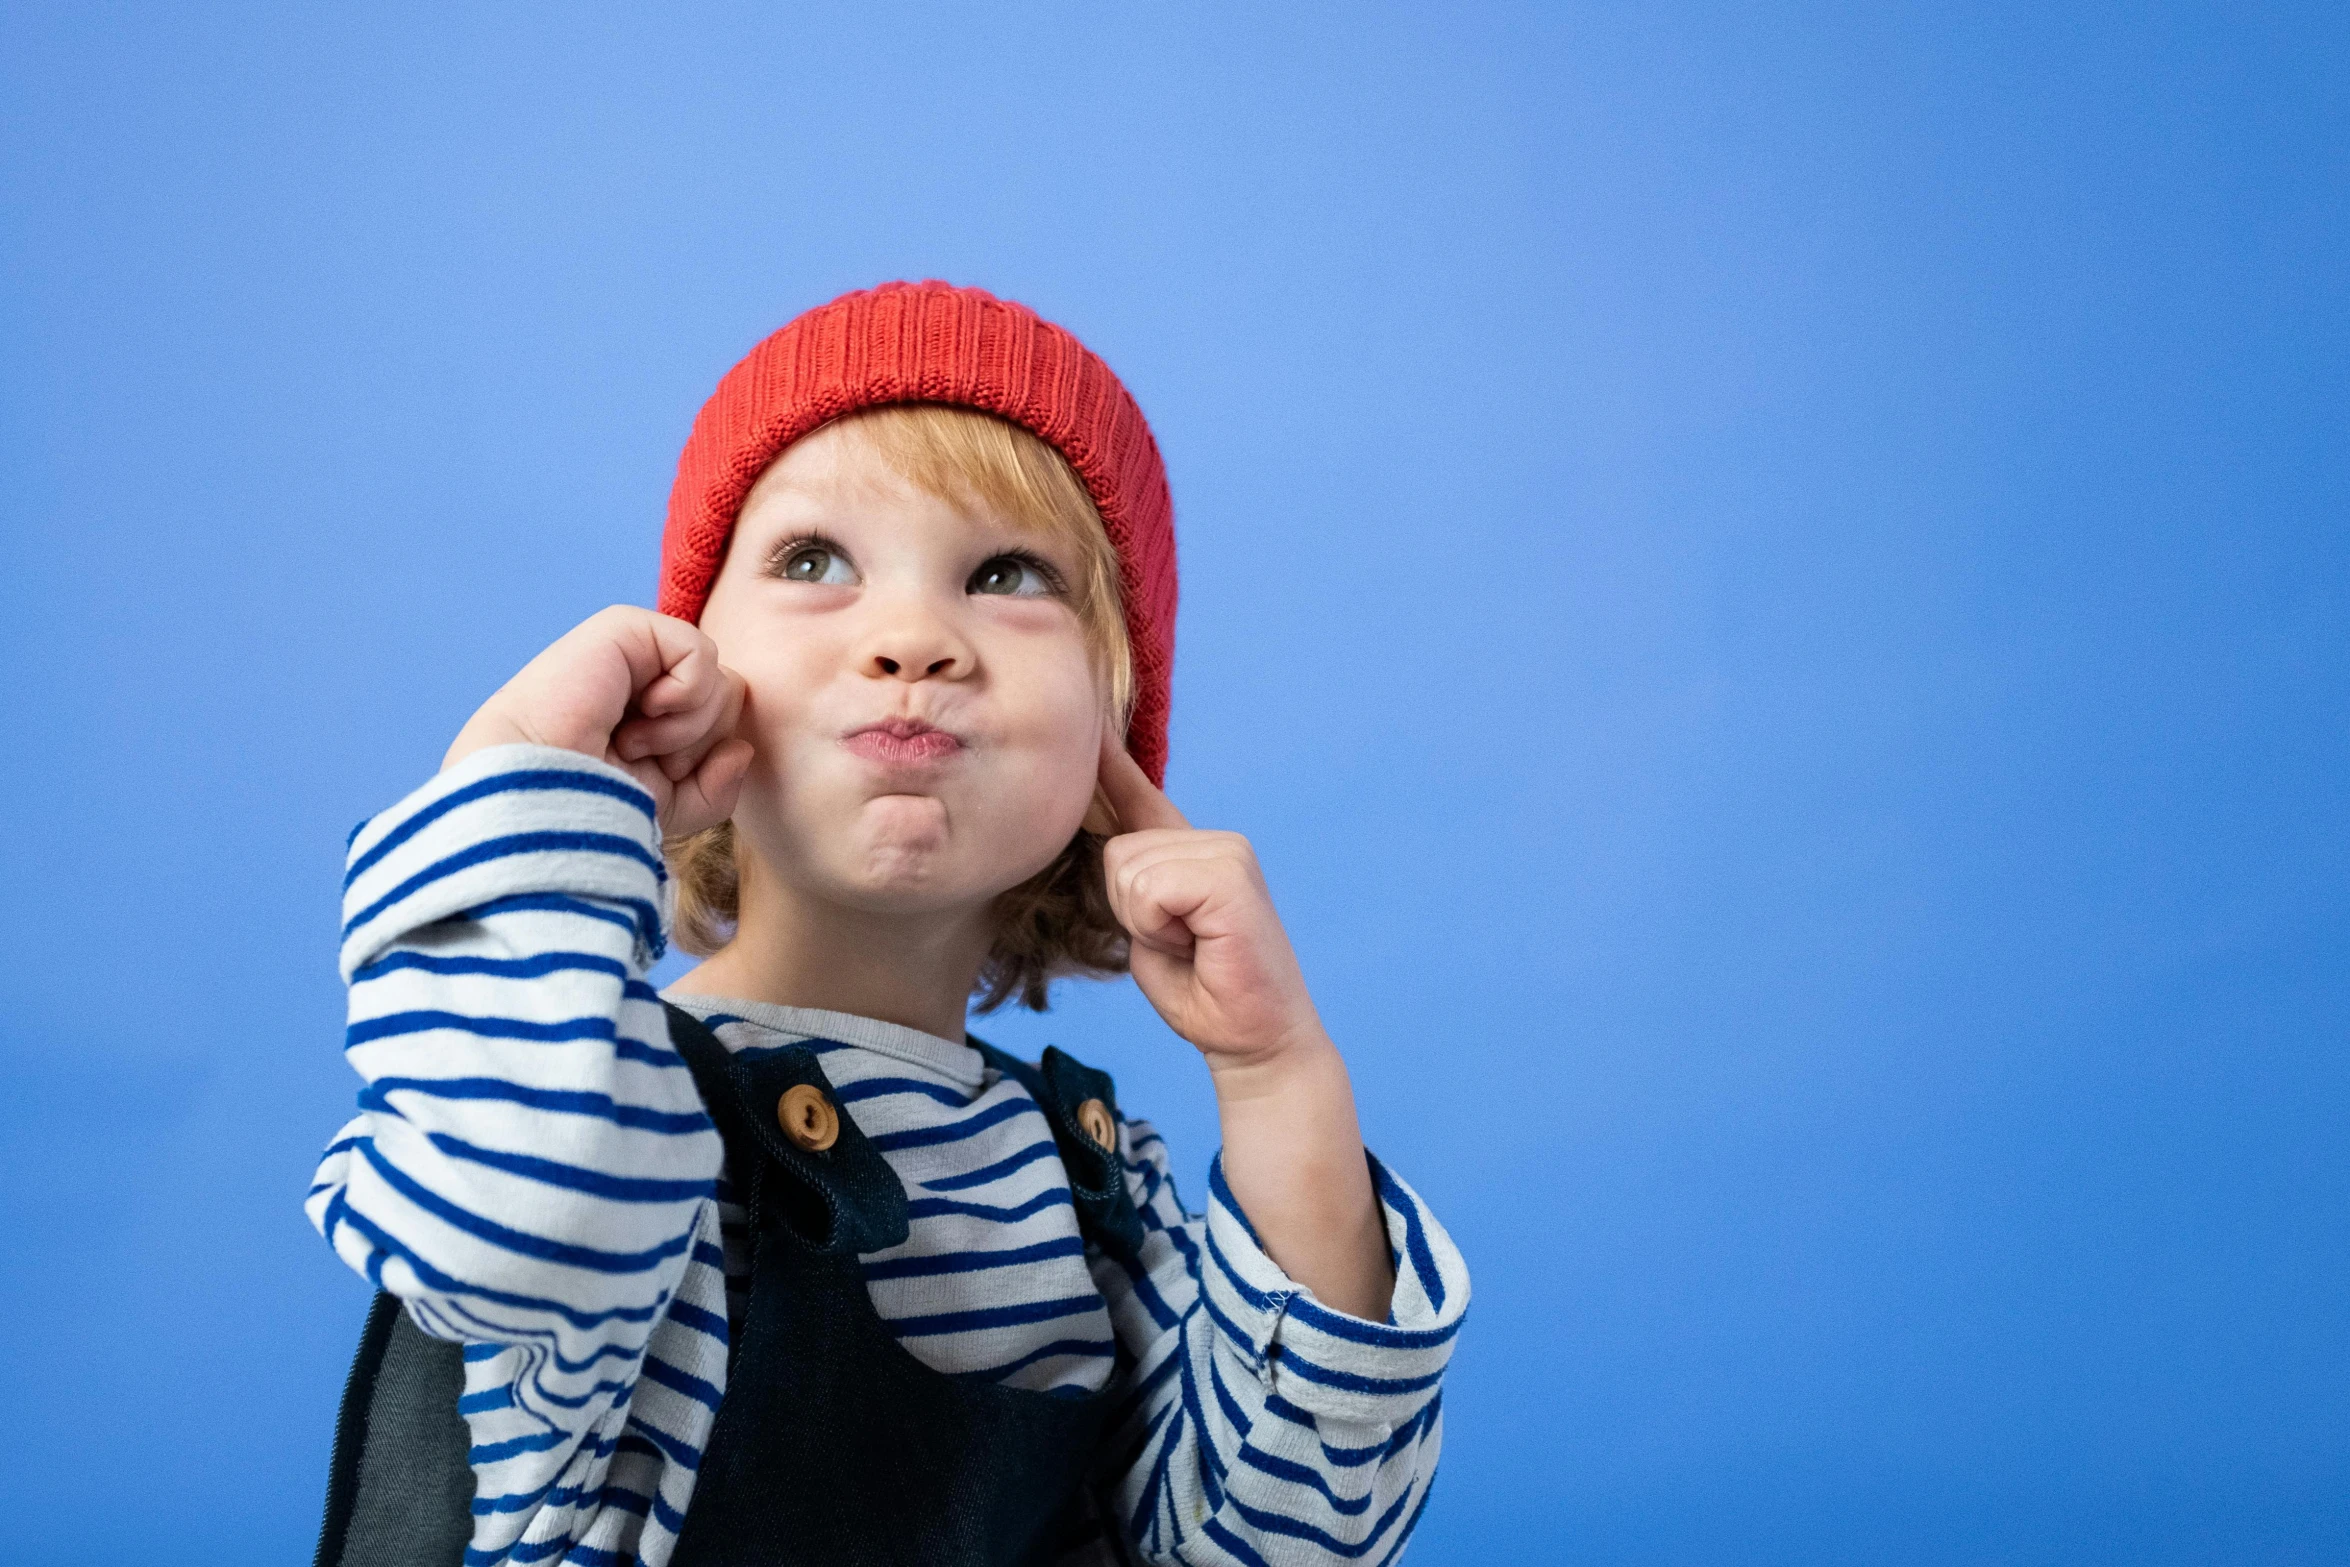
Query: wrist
[1300,1059]
[480,735]
[495,725]
[1294,1166]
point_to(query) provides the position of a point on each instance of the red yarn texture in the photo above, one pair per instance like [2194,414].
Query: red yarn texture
[935,343]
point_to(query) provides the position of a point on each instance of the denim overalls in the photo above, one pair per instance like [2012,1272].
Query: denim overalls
[833,1446]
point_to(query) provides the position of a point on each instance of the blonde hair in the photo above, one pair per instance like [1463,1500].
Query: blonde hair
[1058,922]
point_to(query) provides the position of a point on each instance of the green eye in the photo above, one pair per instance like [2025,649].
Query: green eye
[819,563]
[1010,575]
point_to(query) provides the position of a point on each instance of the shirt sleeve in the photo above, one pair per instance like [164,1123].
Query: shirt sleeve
[1261,1427]
[531,1168]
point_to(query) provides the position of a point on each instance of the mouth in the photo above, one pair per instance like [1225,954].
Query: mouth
[902,742]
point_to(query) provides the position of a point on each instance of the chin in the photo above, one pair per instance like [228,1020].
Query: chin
[894,879]
[895,876]
[913,854]
[900,857]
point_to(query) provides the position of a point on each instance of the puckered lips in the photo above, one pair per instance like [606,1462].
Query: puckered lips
[903,742]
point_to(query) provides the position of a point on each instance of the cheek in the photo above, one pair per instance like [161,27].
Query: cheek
[782,669]
[1059,735]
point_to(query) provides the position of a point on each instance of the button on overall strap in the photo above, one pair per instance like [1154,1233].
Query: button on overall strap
[1081,1105]
[832,1189]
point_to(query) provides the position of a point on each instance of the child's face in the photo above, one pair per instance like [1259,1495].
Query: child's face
[927,722]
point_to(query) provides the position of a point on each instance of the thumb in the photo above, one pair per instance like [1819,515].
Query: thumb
[1136,802]
[705,797]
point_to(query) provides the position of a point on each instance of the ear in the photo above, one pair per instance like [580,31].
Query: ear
[1100,819]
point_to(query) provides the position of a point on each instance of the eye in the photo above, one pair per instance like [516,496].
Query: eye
[1015,576]
[814,560]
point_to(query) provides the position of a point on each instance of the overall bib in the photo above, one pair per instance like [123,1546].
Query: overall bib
[833,1447]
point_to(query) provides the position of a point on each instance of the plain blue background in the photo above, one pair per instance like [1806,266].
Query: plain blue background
[1770,582]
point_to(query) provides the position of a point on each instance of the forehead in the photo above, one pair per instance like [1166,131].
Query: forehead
[829,466]
[837,478]
[985,469]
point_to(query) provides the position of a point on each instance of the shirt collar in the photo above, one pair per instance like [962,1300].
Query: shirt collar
[956,1062]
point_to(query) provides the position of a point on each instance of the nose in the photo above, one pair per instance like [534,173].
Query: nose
[916,643]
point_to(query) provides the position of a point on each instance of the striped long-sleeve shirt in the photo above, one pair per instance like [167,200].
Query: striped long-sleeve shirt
[531,1171]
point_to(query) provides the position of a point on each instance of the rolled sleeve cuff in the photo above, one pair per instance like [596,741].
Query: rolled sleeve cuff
[1323,1361]
[509,821]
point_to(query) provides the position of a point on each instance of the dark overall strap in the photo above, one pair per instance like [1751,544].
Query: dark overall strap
[1097,1175]
[844,1200]
[850,1182]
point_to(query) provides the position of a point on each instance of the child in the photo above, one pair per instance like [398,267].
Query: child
[782,1267]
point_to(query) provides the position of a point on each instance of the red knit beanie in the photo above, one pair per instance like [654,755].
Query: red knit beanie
[934,343]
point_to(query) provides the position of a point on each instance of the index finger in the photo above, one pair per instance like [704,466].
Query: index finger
[1138,803]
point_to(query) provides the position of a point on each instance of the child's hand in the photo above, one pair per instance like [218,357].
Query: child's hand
[1211,954]
[1208,950]
[642,691]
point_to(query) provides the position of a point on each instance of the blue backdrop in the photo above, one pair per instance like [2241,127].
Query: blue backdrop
[1770,582]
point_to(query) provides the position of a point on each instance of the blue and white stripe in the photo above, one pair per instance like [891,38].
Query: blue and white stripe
[532,1172]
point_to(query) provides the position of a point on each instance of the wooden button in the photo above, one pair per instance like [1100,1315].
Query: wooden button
[1094,1117]
[808,1118]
